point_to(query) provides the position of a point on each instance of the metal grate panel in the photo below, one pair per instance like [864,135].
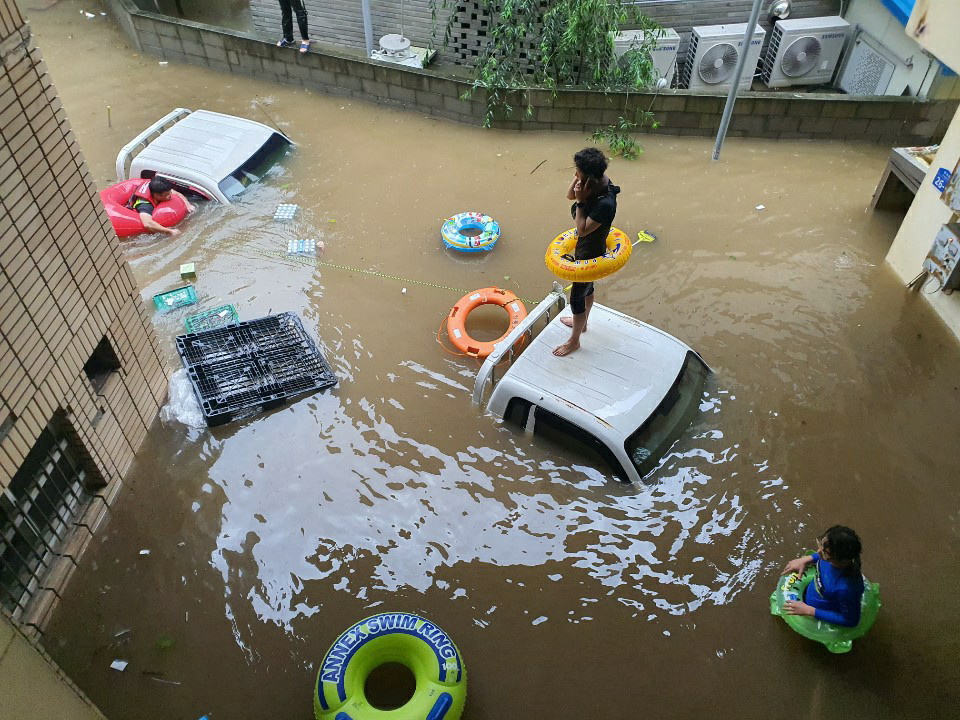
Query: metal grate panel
[37,511]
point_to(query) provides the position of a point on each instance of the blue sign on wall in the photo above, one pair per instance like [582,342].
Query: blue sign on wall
[941,179]
[900,9]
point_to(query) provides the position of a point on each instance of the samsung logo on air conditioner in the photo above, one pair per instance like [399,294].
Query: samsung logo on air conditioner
[830,36]
[665,48]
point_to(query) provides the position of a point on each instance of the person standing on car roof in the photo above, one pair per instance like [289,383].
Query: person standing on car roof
[593,212]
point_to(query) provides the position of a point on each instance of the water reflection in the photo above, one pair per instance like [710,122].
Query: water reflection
[370,509]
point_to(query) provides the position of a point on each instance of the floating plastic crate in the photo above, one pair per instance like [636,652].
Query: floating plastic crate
[302,247]
[252,366]
[181,297]
[285,211]
[212,319]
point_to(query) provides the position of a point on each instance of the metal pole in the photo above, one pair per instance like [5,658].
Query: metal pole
[737,74]
[367,26]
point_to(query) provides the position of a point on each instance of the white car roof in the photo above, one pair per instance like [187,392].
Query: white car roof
[619,376]
[204,145]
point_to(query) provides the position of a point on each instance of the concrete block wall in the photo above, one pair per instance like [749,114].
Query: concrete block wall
[64,287]
[886,120]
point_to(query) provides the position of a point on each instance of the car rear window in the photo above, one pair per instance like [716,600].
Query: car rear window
[256,167]
[651,440]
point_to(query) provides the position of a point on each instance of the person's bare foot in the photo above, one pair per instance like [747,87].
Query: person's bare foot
[568,321]
[568,347]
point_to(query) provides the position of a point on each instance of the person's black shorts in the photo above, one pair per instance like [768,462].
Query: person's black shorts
[578,297]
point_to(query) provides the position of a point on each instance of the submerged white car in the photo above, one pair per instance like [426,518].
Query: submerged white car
[628,393]
[202,153]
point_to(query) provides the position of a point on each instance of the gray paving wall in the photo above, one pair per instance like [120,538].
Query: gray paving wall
[340,21]
[883,120]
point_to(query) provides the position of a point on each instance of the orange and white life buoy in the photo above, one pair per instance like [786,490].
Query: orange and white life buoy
[457,319]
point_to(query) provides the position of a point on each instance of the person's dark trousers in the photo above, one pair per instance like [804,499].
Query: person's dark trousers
[286,19]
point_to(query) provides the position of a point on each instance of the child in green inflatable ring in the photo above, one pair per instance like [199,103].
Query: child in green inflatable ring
[824,596]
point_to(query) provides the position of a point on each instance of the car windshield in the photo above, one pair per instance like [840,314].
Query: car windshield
[651,440]
[256,167]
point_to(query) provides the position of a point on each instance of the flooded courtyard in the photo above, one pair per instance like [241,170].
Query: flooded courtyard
[567,592]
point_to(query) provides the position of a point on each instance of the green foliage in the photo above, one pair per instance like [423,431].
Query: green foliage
[570,43]
[618,138]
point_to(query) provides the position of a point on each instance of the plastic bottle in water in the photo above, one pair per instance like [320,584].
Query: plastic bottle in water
[302,247]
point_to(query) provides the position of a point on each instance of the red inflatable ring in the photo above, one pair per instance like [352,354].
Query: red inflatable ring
[126,222]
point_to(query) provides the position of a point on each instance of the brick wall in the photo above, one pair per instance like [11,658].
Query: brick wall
[64,288]
[886,120]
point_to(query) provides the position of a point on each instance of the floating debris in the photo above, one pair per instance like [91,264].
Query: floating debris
[119,665]
[175,298]
[302,247]
[209,319]
[285,211]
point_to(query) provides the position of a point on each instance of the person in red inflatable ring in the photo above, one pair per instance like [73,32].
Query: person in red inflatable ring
[146,198]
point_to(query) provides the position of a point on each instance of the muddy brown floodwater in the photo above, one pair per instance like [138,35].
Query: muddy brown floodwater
[569,594]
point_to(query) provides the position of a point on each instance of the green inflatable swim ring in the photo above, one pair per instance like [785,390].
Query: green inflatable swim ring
[836,638]
[401,638]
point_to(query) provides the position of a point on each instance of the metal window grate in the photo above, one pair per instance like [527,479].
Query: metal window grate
[37,511]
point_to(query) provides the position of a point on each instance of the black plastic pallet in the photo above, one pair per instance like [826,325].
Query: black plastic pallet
[252,366]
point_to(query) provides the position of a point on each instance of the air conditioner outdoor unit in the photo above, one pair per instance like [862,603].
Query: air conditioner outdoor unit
[804,51]
[868,68]
[664,53]
[712,56]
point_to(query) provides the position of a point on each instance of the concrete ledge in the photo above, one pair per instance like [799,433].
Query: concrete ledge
[787,115]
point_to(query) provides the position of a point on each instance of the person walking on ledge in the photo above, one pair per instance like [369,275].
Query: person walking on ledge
[287,8]
[593,212]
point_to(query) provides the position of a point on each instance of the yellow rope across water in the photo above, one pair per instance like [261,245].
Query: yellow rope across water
[302,260]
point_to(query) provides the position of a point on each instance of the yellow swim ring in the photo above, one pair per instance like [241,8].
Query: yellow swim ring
[618,252]
[403,638]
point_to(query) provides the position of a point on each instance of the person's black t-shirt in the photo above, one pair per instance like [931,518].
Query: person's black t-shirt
[602,209]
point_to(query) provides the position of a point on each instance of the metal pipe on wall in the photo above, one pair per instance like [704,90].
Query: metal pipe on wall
[367,26]
[737,74]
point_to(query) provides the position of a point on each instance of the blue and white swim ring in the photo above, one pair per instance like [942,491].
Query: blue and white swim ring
[454,238]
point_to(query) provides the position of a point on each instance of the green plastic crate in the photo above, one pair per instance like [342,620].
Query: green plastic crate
[181,297]
[211,319]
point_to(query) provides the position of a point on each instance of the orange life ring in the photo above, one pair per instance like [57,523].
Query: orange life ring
[457,319]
